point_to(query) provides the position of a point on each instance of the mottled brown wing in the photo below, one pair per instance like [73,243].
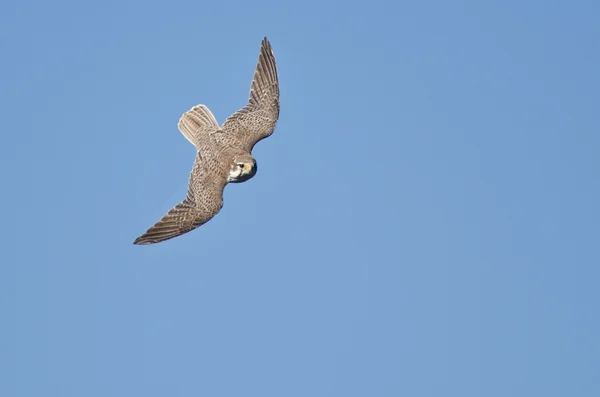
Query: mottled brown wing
[204,200]
[181,219]
[258,118]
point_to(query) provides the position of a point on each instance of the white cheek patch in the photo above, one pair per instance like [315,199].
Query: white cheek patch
[233,174]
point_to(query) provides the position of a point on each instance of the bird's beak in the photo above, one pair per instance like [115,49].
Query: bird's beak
[247,168]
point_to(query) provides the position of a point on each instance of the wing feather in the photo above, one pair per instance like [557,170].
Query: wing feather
[204,200]
[258,118]
[181,219]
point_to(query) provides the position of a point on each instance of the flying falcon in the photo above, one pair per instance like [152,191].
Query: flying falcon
[223,153]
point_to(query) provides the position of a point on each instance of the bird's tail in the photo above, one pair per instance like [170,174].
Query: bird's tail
[197,122]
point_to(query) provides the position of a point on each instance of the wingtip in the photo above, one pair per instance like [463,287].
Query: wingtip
[266,49]
[141,241]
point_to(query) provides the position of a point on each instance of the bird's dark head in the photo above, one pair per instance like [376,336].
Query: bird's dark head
[242,168]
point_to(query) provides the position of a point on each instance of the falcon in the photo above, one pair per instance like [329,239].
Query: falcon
[223,152]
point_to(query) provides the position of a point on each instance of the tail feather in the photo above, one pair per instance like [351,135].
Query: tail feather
[197,122]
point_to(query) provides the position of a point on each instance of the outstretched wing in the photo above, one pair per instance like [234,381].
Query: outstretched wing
[197,123]
[258,118]
[181,219]
[204,200]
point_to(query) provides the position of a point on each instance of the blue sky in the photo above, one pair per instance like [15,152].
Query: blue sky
[424,221]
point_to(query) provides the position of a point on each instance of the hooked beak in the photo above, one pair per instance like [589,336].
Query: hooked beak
[247,168]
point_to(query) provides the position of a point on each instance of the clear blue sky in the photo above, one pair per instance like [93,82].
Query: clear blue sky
[424,221]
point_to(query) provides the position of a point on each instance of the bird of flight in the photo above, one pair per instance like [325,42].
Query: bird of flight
[223,152]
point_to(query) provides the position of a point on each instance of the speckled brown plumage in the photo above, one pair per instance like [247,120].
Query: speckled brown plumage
[223,153]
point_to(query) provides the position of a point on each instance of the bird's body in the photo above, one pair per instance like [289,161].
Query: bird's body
[223,152]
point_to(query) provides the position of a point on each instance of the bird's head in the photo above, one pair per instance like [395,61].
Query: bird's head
[242,168]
